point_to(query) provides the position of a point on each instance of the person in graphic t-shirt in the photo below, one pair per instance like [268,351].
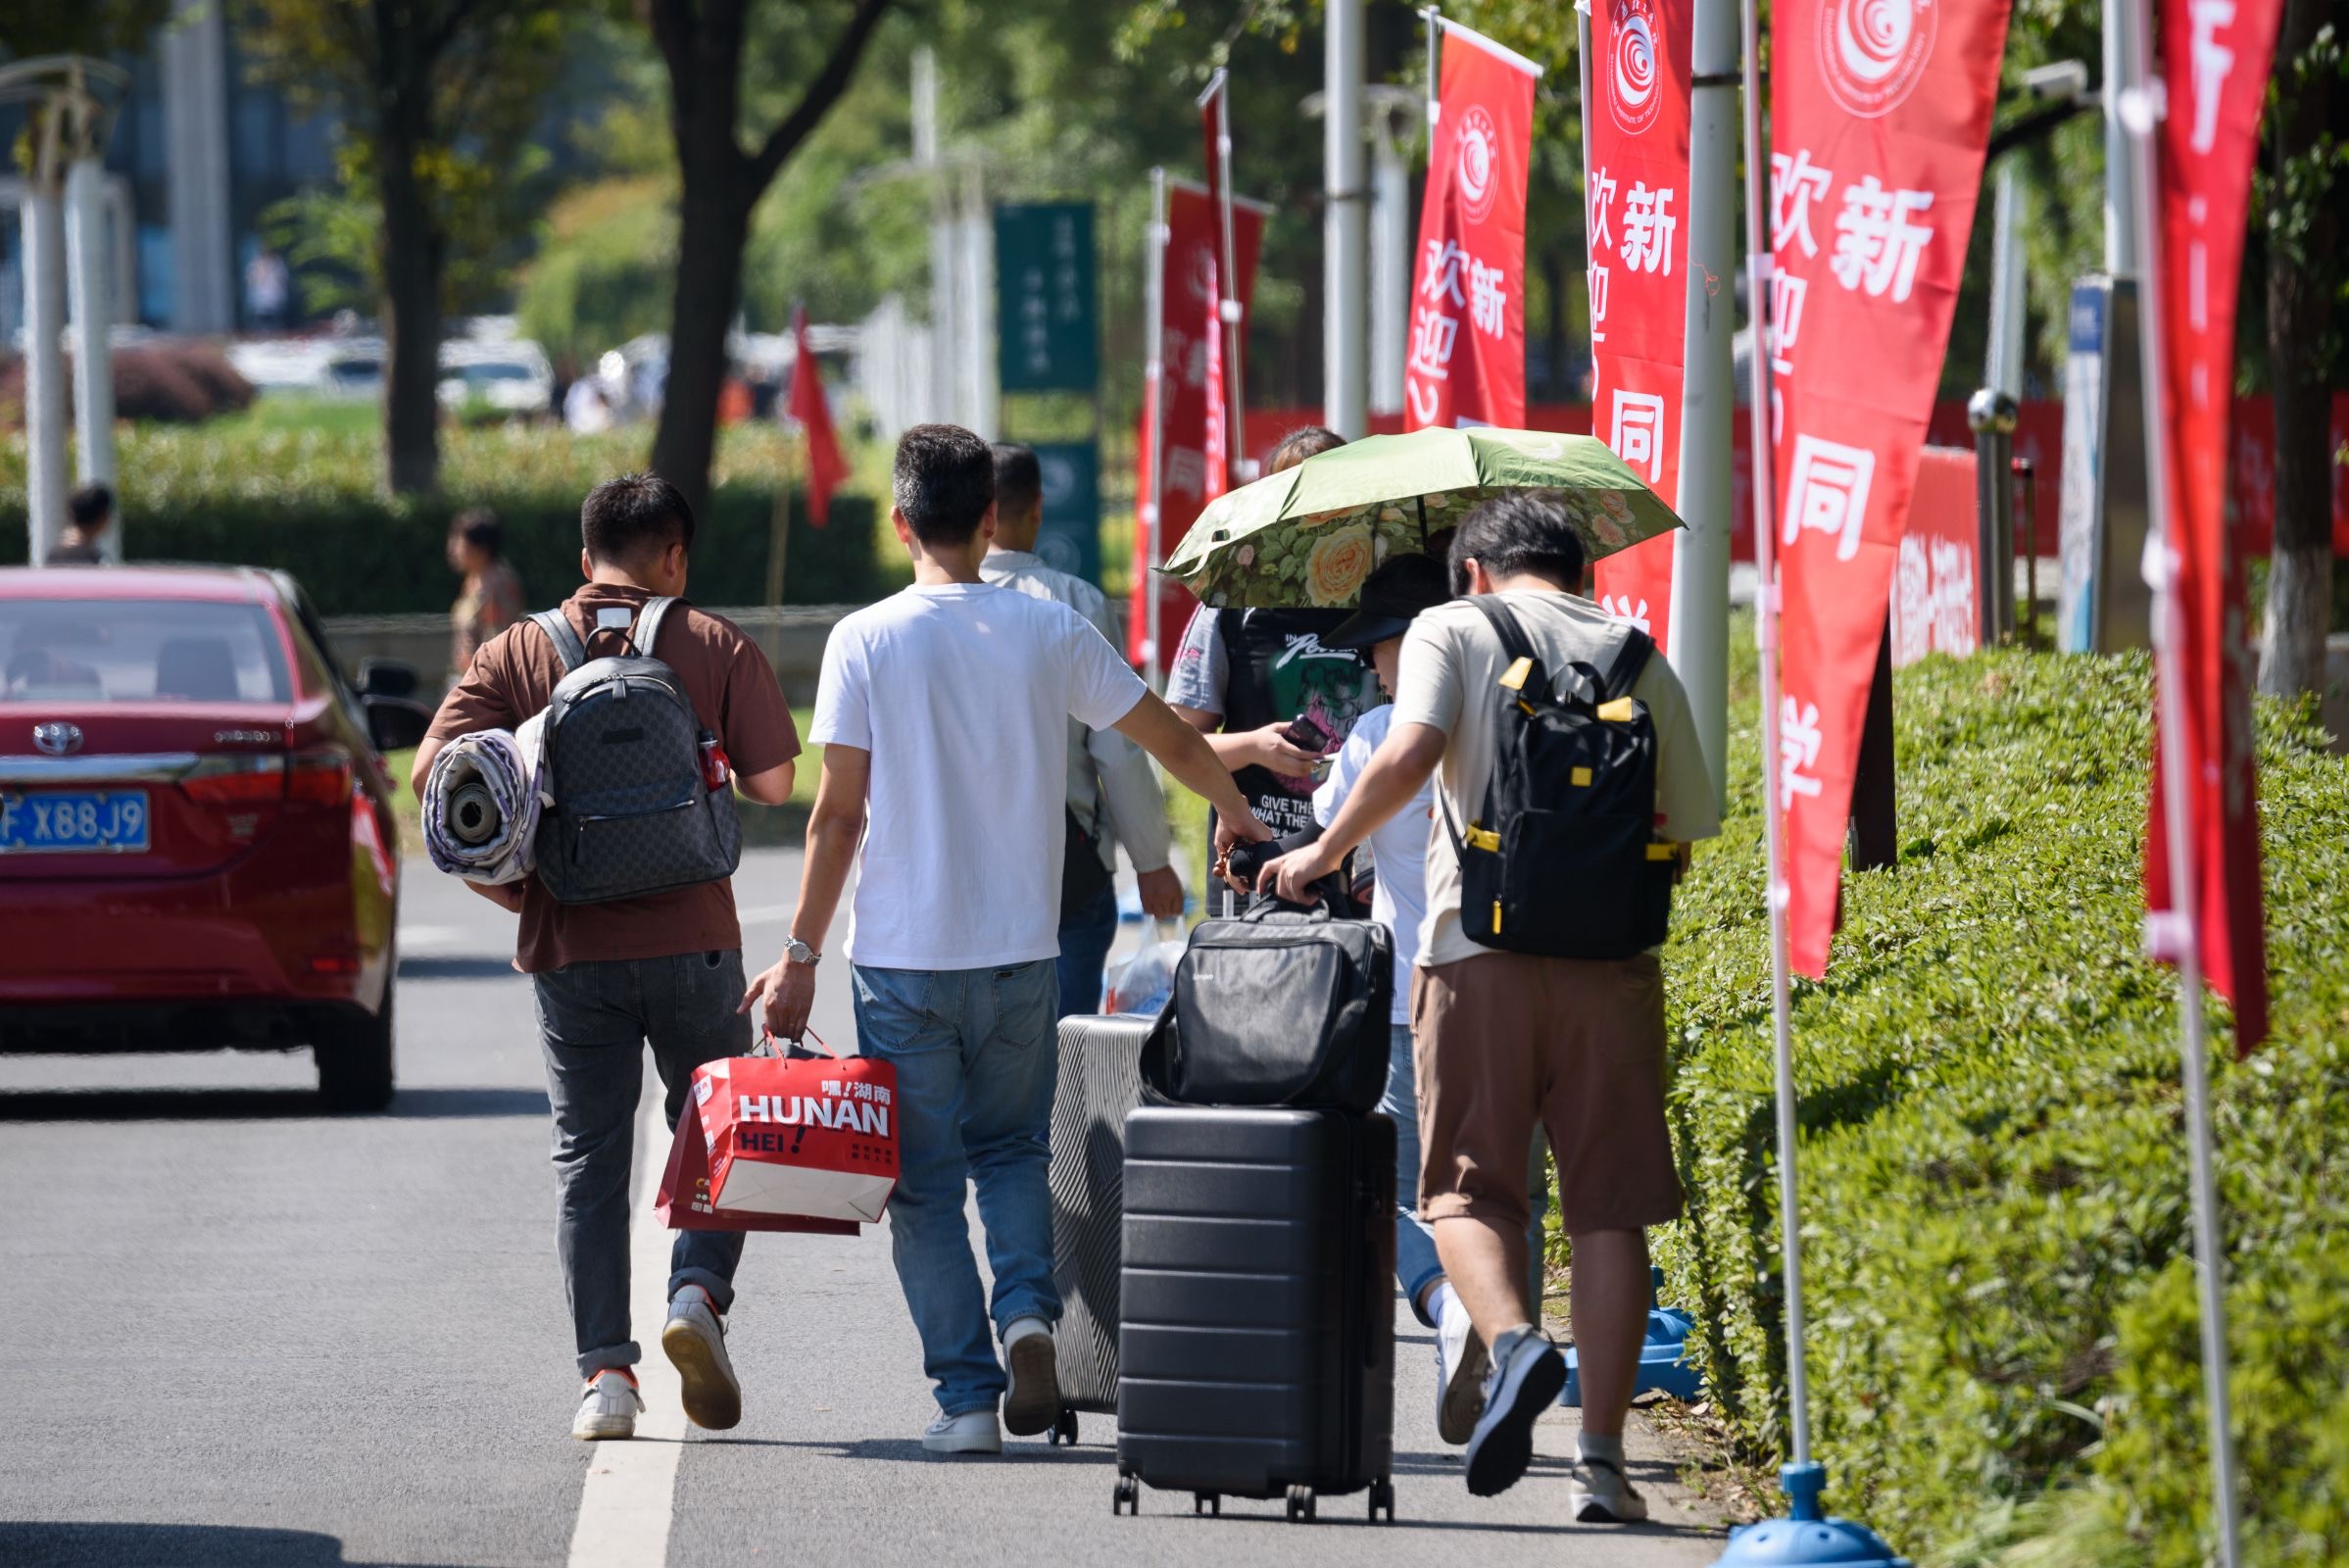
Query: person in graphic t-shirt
[943,713]
[1242,677]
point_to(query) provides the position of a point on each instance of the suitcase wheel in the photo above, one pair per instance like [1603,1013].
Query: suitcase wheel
[1382,1496]
[1207,1502]
[1301,1505]
[1127,1498]
[1064,1430]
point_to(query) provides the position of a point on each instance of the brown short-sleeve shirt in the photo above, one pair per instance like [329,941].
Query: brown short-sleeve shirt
[734,692]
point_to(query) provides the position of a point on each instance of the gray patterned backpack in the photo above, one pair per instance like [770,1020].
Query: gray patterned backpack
[620,756]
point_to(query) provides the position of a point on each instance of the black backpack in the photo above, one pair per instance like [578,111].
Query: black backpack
[621,758]
[1564,861]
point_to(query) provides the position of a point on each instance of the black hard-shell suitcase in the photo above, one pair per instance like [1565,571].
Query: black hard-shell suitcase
[1257,1330]
[1100,1081]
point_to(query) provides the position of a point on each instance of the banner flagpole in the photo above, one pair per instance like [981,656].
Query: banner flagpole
[1238,467]
[1153,379]
[2176,933]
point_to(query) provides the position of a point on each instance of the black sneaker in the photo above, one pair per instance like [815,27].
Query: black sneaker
[1524,1381]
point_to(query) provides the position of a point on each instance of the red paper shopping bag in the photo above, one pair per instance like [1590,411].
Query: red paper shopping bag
[784,1144]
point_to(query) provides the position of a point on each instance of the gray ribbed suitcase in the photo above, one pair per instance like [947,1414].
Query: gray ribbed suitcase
[1257,1334]
[1100,1081]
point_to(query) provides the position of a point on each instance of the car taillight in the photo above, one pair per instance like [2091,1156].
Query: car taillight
[236,780]
[320,777]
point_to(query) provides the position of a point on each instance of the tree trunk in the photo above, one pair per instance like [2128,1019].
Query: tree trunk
[714,224]
[414,255]
[2302,282]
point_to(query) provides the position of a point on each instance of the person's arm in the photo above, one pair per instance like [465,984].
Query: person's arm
[769,788]
[756,726]
[1185,752]
[1134,813]
[1397,769]
[785,993]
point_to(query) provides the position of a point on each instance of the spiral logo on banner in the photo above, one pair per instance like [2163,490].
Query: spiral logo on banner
[1634,94]
[1873,53]
[1477,165]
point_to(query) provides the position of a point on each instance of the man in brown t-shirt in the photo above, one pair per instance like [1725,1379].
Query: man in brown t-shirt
[663,969]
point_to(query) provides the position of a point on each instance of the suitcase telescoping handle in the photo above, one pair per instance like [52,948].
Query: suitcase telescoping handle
[1248,860]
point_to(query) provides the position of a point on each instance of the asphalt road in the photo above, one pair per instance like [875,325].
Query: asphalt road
[240,1333]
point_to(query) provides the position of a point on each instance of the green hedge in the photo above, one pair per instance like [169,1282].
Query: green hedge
[306,501]
[2003,1355]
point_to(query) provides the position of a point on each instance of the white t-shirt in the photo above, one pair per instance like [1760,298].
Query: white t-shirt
[962,693]
[1398,848]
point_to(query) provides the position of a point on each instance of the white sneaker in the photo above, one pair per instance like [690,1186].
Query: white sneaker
[696,1341]
[1603,1495]
[608,1407]
[1032,1402]
[1461,1365]
[972,1432]
[1526,1374]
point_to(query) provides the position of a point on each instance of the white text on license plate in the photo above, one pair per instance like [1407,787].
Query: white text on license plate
[90,821]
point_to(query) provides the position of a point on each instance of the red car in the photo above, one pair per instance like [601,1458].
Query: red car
[197,843]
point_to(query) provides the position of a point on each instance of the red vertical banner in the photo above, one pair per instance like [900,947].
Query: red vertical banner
[1636,141]
[2214,58]
[826,467]
[1467,348]
[1194,423]
[1881,110]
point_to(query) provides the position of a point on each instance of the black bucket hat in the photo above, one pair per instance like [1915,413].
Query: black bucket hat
[1391,597]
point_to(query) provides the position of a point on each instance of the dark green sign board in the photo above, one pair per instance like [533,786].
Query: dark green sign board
[1071,537]
[1044,269]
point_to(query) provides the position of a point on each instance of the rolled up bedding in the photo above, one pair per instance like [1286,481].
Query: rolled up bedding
[482,803]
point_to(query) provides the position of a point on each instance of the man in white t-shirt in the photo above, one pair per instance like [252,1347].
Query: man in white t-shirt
[943,712]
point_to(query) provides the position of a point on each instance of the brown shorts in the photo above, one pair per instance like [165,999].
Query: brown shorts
[1504,1040]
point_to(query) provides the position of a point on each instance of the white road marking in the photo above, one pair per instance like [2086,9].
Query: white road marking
[416,938]
[625,1504]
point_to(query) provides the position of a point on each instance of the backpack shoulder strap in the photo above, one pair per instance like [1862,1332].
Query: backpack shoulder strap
[567,647]
[649,619]
[1629,661]
[1513,640]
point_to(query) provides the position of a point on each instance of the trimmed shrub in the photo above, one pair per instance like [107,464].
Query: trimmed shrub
[171,380]
[305,501]
[1993,1171]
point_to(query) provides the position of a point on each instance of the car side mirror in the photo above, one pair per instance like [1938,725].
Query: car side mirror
[396,723]
[386,677]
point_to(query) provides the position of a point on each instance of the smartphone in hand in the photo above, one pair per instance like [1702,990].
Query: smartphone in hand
[1306,736]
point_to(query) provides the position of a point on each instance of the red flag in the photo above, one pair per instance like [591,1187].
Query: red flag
[1192,389]
[2214,64]
[1636,138]
[1467,357]
[826,467]
[1881,111]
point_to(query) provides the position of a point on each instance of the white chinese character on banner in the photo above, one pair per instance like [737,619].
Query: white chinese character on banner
[1912,604]
[1445,258]
[1828,490]
[2214,63]
[1620,607]
[1786,295]
[1795,183]
[1601,196]
[1599,304]
[1876,244]
[1637,431]
[1487,298]
[1955,631]
[1798,750]
[1186,472]
[1647,229]
[1433,338]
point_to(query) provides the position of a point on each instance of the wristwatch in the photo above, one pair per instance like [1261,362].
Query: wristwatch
[796,952]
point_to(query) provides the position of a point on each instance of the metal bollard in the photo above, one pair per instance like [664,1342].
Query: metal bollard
[1993,416]
[2026,474]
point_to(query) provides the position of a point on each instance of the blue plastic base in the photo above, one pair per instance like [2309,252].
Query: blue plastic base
[1661,1368]
[1806,1538]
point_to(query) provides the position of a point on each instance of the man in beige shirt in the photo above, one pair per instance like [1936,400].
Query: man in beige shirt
[1506,1039]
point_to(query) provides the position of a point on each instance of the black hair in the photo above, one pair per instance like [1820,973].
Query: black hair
[944,483]
[1518,531]
[1306,441]
[479,527]
[633,516]
[1018,481]
[90,506]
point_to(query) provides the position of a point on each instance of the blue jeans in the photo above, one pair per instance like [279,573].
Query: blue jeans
[1086,937]
[975,1052]
[594,1021]
[1416,1266]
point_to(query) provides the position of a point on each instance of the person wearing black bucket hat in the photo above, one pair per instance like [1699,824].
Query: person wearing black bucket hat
[1393,596]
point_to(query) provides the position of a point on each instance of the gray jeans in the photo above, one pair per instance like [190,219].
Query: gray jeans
[594,1021]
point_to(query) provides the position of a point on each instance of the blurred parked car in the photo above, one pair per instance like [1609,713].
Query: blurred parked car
[197,842]
[511,377]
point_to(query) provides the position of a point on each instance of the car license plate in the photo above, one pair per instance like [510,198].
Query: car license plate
[83,821]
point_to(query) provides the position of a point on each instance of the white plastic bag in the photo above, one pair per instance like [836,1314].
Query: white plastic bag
[1144,982]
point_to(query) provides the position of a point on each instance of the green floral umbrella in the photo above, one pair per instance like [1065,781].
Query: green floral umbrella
[1309,535]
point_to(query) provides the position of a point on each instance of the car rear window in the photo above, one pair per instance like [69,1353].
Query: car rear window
[139,651]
